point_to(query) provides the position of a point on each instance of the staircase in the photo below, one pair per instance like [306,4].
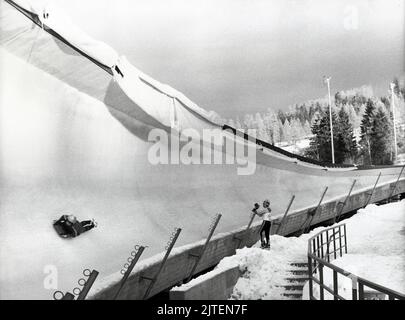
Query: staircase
[294,283]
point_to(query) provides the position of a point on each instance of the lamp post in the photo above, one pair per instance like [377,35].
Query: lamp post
[393,119]
[327,80]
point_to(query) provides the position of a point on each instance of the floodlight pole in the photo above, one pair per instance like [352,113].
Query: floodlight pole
[327,79]
[393,116]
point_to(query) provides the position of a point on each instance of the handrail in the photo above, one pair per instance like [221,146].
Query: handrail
[316,261]
[378,287]
[318,234]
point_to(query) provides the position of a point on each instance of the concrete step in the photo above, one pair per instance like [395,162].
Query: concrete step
[297,279]
[294,298]
[294,287]
[297,268]
[299,272]
[293,294]
[300,264]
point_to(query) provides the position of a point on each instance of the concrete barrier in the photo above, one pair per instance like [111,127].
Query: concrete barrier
[214,285]
[179,264]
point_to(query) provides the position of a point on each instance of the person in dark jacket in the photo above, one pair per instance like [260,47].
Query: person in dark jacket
[69,226]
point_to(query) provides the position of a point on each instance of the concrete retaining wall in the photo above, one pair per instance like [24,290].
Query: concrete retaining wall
[180,263]
[215,285]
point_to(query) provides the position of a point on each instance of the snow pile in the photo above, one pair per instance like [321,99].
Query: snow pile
[296,147]
[263,271]
[375,238]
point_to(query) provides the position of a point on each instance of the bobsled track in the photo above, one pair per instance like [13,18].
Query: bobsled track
[75,118]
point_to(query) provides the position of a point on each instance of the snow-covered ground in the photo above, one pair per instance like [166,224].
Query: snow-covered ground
[376,238]
[296,147]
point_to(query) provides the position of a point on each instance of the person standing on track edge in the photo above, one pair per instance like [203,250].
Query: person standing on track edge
[266,225]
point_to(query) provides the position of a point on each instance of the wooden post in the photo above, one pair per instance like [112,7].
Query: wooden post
[285,214]
[321,289]
[335,285]
[311,292]
[240,240]
[306,229]
[322,252]
[334,244]
[396,183]
[340,241]
[318,254]
[87,286]
[344,227]
[313,251]
[211,232]
[169,246]
[135,255]
[361,291]
[343,204]
[81,293]
[370,195]
[354,287]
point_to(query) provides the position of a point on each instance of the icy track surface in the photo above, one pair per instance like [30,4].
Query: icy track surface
[376,238]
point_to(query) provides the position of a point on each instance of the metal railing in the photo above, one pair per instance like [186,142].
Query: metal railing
[320,256]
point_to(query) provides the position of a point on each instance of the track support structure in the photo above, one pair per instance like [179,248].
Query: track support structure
[129,266]
[240,240]
[370,195]
[393,188]
[169,246]
[285,214]
[86,285]
[343,204]
[312,214]
[198,257]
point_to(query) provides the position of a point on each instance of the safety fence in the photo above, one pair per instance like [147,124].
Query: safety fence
[145,280]
[330,244]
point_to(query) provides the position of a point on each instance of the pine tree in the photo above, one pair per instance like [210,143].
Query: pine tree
[248,122]
[278,134]
[365,132]
[324,137]
[287,131]
[313,150]
[262,133]
[296,130]
[307,128]
[238,124]
[345,145]
[267,127]
[272,125]
[231,123]
[381,138]
[354,119]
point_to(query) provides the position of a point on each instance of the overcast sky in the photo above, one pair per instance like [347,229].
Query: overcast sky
[244,56]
